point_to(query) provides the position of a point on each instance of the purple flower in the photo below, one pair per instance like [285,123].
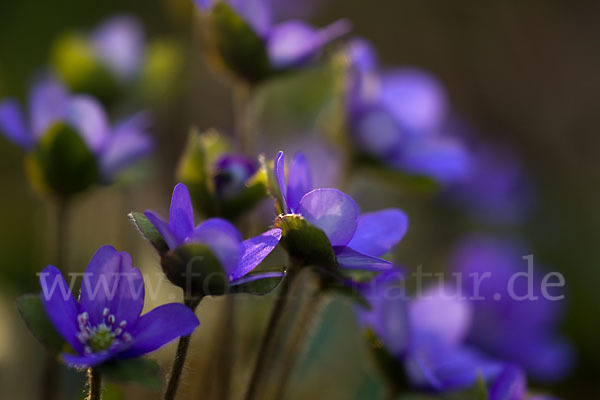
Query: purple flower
[399,117]
[114,147]
[231,173]
[119,44]
[426,335]
[237,257]
[497,187]
[105,324]
[358,240]
[289,43]
[511,384]
[520,331]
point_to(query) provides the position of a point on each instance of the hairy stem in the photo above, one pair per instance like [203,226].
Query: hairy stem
[225,351]
[264,352]
[180,356]
[95,384]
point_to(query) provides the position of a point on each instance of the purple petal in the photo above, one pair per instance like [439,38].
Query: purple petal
[362,55]
[88,360]
[60,305]
[163,228]
[257,13]
[294,42]
[377,232]
[439,314]
[299,180]
[333,212]
[416,98]
[255,250]
[279,172]
[388,316]
[86,115]
[111,286]
[511,384]
[127,145]
[449,368]
[12,124]
[256,277]
[160,326]
[119,43]
[47,104]
[352,259]
[181,213]
[377,131]
[445,159]
[223,239]
[204,5]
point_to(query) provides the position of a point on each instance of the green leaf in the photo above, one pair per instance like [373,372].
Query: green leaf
[259,287]
[387,363]
[138,370]
[62,163]
[32,311]
[305,242]
[161,71]
[194,268]
[75,61]
[237,45]
[149,231]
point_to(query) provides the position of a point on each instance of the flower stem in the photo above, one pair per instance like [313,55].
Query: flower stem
[241,103]
[180,356]
[225,350]
[264,351]
[95,384]
[51,377]
[299,336]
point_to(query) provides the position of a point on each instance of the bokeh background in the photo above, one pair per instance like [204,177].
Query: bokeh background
[525,73]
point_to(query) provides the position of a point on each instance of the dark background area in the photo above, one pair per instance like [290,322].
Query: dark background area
[525,72]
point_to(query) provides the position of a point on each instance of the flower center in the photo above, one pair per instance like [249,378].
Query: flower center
[102,336]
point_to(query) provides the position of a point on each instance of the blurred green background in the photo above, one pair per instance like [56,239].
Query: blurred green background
[522,72]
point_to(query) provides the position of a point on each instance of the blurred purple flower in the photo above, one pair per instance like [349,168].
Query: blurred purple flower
[232,172]
[358,240]
[119,44]
[497,187]
[399,117]
[115,148]
[237,257]
[511,384]
[426,335]
[289,43]
[105,324]
[520,331]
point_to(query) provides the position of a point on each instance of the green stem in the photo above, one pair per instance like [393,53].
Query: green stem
[242,118]
[225,350]
[264,351]
[95,384]
[299,336]
[180,356]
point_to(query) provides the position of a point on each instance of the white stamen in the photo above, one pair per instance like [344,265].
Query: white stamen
[105,311]
[87,350]
[118,331]
[122,324]
[127,337]
[111,319]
